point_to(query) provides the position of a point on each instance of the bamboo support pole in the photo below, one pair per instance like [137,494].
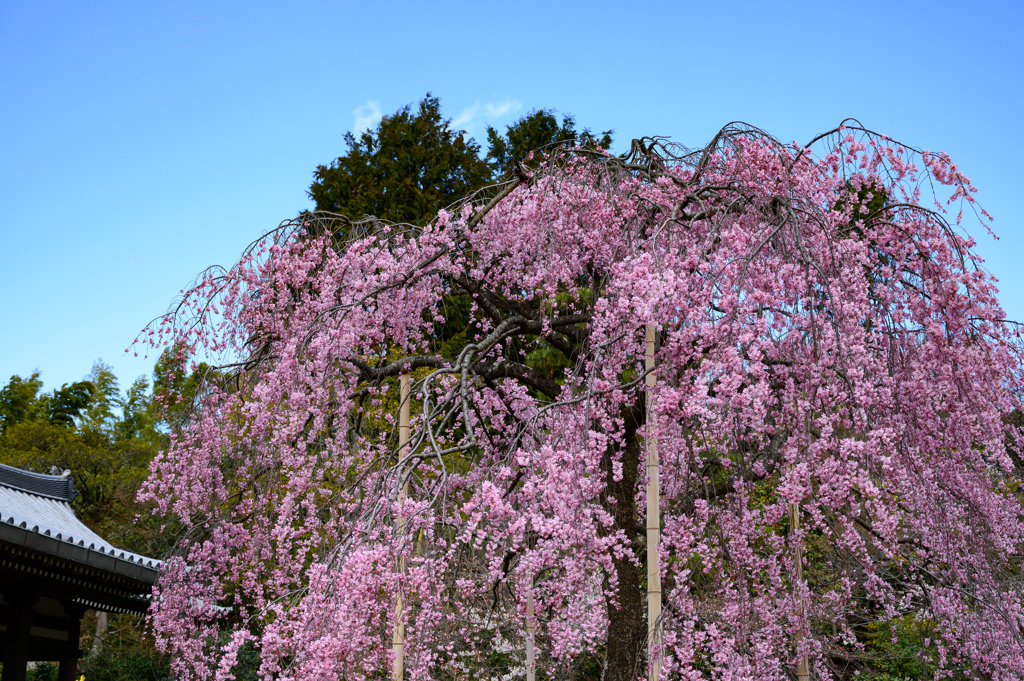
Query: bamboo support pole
[398,640]
[654,626]
[531,654]
[802,670]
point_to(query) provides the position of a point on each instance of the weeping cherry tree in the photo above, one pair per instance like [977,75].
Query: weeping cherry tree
[834,377]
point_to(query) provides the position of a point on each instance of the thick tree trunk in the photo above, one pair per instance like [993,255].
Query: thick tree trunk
[627,628]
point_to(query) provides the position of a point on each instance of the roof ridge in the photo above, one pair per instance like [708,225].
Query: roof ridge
[60,487]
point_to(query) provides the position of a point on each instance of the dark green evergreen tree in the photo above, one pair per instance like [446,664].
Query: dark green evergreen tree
[405,170]
[413,164]
[539,130]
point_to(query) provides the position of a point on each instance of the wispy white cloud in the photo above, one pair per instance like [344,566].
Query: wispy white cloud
[496,111]
[367,116]
[465,116]
[472,118]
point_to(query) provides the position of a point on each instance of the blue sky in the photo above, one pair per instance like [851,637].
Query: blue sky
[143,142]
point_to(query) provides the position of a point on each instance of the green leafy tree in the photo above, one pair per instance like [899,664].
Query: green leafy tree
[105,396]
[19,401]
[104,438]
[174,389]
[67,403]
[127,651]
[538,130]
[138,413]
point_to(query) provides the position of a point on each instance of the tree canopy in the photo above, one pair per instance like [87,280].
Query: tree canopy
[830,379]
[105,439]
[411,165]
[538,130]
[21,401]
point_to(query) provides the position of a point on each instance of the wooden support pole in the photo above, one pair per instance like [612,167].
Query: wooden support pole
[531,654]
[18,635]
[398,640]
[802,670]
[654,627]
[68,669]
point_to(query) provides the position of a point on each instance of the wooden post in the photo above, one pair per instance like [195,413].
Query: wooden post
[802,671]
[531,655]
[398,640]
[654,628]
[68,669]
[18,636]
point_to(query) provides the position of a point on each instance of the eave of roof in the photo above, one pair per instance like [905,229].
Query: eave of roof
[48,525]
[111,560]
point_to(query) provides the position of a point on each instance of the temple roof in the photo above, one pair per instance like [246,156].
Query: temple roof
[60,487]
[35,513]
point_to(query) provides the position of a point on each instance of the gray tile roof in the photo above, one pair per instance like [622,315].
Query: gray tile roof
[35,512]
[60,487]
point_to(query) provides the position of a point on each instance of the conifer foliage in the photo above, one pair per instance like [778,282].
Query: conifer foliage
[826,339]
[411,164]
